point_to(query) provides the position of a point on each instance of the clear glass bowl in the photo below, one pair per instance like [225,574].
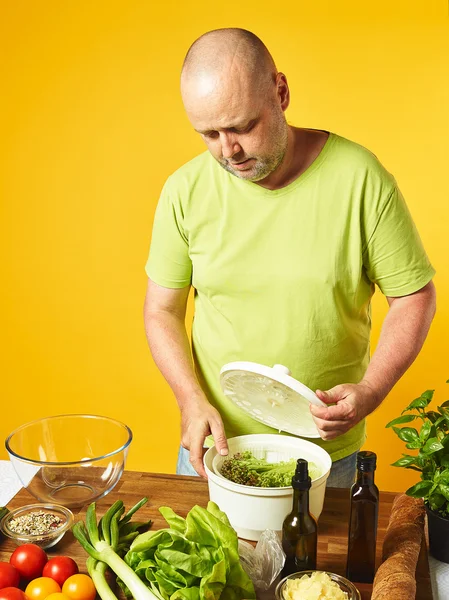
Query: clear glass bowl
[44,540]
[69,459]
[345,585]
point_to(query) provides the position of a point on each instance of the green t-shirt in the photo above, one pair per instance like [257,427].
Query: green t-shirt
[286,276]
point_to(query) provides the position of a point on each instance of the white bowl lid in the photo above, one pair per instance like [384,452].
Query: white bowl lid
[271,396]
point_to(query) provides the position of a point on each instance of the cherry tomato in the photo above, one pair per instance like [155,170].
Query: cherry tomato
[9,575]
[79,587]
[57,596]
[12,593]
[60,568]
[40,588]
[29,560]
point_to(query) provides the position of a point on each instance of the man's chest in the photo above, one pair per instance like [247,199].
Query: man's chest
[240,246]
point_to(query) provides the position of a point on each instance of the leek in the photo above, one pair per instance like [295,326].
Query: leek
[104,542]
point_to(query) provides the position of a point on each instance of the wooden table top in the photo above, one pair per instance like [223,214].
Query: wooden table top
[181,493]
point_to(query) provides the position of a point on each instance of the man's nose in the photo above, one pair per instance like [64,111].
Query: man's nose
[229,146]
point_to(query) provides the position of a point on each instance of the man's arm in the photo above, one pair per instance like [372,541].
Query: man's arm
[164,316]
[403,333]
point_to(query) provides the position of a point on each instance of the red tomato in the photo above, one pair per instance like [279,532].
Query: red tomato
[12,593]
[9,575]
[79,587]
[40,588]
[29,560]
[60,568]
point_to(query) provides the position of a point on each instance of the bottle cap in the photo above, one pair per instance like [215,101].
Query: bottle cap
[301,479]
[366,460]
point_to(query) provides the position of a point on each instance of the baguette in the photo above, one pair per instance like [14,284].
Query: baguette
[395,578]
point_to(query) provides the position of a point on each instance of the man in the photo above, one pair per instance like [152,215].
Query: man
[283,233]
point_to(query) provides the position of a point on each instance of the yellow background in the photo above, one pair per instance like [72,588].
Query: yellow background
[92,124]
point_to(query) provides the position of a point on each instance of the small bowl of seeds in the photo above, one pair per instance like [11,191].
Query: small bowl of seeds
[40,524]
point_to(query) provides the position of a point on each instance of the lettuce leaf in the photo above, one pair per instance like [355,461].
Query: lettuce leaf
[195,558]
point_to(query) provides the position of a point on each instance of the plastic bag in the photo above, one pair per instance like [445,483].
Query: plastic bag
[264,562]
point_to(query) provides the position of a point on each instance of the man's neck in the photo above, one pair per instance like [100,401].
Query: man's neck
[303,147]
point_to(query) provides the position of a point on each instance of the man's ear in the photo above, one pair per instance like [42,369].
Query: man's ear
[283,91]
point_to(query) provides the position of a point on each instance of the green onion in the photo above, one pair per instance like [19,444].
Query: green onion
[105,541]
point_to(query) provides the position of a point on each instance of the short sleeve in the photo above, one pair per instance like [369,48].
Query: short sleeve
[394,257]
[169,263]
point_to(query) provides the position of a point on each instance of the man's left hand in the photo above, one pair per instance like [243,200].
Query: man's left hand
[350,402]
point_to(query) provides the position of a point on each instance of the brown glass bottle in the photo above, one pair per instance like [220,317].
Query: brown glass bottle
[299,530]
[363,521]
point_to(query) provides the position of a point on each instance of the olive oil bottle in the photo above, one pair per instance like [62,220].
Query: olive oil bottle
[363,521]
[299,530]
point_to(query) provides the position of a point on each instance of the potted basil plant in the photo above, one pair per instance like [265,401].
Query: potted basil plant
[430,437]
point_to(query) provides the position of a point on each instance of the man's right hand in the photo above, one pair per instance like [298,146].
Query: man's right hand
[198,420]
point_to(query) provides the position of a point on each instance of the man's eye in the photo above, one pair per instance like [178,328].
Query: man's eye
[246,129]
[211,135]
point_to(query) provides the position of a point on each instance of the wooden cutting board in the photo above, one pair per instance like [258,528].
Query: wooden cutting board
[181,493]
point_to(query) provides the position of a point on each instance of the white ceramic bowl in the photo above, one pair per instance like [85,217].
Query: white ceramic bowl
[251,510]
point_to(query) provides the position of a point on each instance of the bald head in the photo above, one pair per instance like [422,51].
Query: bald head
[225,55]
[235,98]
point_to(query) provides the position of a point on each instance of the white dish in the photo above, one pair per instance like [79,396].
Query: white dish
[251,510]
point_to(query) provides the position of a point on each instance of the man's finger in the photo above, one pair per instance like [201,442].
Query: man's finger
[331,435]
[196,456]
[218,433]
[337,412]
[333,395]
[328,426]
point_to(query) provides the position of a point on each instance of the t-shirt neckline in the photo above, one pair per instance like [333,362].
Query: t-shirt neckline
[255,188]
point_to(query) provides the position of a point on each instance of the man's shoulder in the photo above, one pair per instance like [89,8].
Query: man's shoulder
[360,159]
[190,172]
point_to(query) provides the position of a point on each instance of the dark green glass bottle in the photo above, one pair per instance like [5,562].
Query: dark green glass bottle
[362,536]
[299,530]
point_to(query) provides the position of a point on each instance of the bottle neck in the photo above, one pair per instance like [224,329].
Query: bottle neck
[365,477]
[301,501]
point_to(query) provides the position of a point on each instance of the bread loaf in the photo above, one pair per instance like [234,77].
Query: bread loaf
[395,578]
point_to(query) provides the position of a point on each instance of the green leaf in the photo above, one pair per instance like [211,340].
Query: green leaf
[406,434]
[416,404]
[195,559]
[214,510]
[432,415]
[444,477]
[404,461]
[432,445]
[401,420]
[428,395]
[437,501]
[444,461]
[425,431]
[174,521]
[414,445]
[445,404]
[420,489]
[444,489]
[433,488]
[421,460]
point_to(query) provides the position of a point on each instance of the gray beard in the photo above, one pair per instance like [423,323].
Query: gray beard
[263,167]
[260,170]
